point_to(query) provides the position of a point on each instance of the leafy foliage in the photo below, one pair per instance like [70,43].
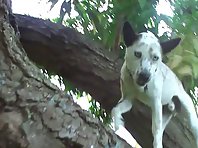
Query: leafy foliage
[194,94]
[184,59]
[103,20]
[100,113]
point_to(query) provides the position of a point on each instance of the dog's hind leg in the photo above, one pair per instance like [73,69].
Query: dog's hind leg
[190,116]
[170,110]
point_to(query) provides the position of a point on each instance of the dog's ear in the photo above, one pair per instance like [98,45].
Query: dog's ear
[167,46]
[129,34]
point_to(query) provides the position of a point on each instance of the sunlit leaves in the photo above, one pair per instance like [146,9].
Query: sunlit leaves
[184,60]
[194,94]
[100,113]
[102,21]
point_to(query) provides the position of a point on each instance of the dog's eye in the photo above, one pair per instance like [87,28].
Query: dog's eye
[138,54]
[155,58]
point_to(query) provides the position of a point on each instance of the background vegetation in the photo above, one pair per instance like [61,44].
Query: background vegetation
[102,20]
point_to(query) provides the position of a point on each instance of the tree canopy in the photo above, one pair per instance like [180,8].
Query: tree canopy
[103,20]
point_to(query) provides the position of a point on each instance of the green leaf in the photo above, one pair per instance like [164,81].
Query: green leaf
[69,86]
[142,3]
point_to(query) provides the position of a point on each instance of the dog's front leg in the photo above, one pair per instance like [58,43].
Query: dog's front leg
[122,107]
[157,129]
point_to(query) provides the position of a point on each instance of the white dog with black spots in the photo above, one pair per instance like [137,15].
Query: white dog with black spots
[146,78]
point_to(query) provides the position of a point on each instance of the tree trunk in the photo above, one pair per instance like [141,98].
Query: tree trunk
[91,68]
[33,112]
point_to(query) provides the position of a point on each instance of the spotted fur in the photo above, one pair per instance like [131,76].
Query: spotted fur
[146,78]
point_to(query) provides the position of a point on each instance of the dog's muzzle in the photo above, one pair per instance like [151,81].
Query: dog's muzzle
[143,77]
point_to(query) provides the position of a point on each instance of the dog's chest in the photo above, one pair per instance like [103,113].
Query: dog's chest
[134,92]
[143,96]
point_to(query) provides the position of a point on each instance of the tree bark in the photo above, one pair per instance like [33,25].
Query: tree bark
[33,112]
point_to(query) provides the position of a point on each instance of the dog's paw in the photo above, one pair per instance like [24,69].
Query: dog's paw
[117,118]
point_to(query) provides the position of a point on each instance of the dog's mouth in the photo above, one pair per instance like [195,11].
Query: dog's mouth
[142,79]
[141,82]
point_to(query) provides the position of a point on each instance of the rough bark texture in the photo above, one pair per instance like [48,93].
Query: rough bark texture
[33,112]
[85,63]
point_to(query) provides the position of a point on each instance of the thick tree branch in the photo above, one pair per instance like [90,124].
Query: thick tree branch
[70,54]
[85,63]
[33,112]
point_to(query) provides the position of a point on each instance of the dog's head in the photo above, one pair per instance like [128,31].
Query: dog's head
[144,53]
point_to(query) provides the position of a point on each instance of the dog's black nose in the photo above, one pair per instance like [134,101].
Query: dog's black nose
[143,78]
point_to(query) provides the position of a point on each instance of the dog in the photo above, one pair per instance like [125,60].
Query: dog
[146,78]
